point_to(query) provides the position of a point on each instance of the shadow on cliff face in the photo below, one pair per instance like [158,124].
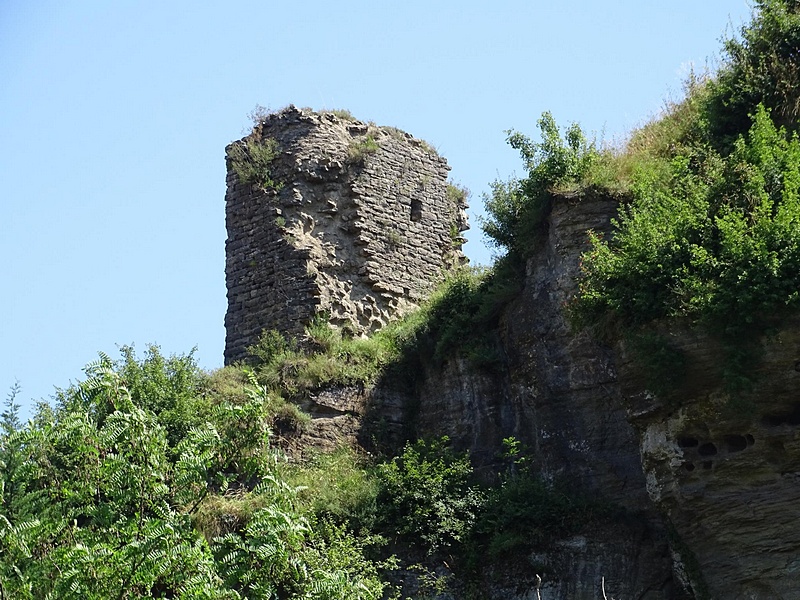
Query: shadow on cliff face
[455,332]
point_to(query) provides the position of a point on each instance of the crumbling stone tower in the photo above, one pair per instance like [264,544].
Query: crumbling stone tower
[348,219]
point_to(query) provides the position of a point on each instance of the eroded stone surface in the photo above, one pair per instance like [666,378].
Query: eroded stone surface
[361,229]
[727,471]
[558,393]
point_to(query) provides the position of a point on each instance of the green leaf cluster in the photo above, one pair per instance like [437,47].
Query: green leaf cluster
[427,495]
[516,208]
[252,160]
[761,66]
[108,494]
[717,240]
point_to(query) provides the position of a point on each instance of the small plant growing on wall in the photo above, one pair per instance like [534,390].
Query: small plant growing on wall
[393,238]
[359,148]
[258,115]
[456,194]
[428,148]
[341,113]
[395,133]
[252,160]
[456,239]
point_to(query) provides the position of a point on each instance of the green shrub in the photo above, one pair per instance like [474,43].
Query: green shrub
[718,241]
[516,208]
[339,486]
[524,514]
[96,502]
[252,159]
[762,66]
[361,147]
[427,497]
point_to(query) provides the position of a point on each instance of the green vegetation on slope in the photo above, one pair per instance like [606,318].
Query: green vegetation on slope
[709,220]
[712,237]
[152,479]
[108,496]
[457,319]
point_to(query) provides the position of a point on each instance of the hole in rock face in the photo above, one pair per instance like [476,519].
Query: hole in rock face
[707,449]
[750,439]
[689,466]
[687,442]
[735,443]
[707,464]
[776,420]
[775,452]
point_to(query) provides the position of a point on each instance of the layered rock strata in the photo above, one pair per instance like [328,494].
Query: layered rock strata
[559,394]
[725,468]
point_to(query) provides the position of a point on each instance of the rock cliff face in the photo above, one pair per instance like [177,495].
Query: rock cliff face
[713,482]
[560,395]
[726,470]
[715,478]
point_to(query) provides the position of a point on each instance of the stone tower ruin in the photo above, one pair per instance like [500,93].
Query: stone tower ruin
[329,215]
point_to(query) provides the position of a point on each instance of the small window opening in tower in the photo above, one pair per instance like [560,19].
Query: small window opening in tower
[416,210]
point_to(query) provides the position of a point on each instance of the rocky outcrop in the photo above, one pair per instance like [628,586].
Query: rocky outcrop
[620,560]
[716,474]
[566,377]
[558,392]
[710,481]
[724,468]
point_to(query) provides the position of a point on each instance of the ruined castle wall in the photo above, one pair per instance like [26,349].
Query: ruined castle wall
[361,228]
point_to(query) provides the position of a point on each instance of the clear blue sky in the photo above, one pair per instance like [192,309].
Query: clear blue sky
[114,116]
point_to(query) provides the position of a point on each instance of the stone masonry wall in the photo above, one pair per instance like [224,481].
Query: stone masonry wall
[362,227]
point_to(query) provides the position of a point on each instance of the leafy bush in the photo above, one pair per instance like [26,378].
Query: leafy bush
[711,232]
[96,501]
[361,147]
[93,512]
[167,386]
[523,514]
[339,486]
[426,496]
[719,242]
[762,67]
[516,207]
